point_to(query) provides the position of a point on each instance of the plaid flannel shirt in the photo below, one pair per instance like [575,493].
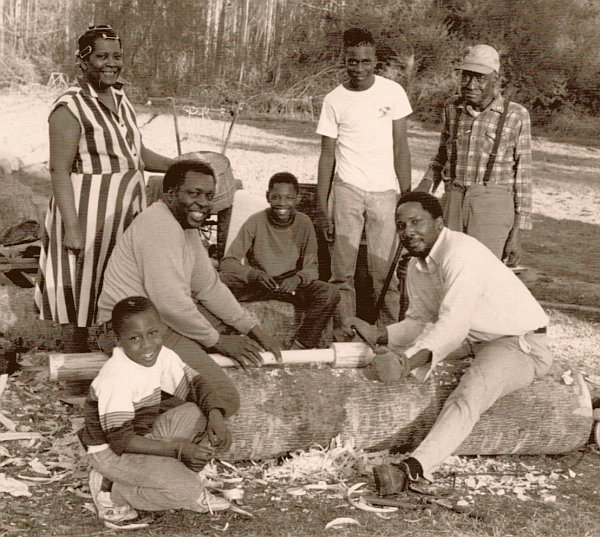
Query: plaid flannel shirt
[474,141]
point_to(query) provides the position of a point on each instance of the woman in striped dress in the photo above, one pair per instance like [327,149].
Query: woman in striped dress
[97,160]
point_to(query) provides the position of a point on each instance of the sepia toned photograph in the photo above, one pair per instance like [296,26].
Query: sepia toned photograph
[295,268]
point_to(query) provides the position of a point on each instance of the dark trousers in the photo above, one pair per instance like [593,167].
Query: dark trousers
[317,301]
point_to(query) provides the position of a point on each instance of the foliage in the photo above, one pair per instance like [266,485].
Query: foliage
[549,48]
[252,50]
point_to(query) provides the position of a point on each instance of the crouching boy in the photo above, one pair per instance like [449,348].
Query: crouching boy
[279,246]
[152,422]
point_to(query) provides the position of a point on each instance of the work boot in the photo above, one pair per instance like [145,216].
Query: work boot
[395,478]
[391,479]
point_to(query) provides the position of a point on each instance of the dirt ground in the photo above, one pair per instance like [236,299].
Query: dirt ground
[561,256]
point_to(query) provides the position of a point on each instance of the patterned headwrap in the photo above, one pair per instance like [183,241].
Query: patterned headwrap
[86,41]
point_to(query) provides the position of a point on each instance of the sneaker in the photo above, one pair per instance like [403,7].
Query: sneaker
[105,507]
[209,503]
[392,479]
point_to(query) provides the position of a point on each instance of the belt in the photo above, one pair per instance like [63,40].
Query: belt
[541,330]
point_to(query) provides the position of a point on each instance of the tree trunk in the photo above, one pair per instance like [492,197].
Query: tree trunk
[291,409]
[219,46]
[1,28]
[243,43]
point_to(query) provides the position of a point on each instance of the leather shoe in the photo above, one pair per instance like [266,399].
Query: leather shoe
[391,479]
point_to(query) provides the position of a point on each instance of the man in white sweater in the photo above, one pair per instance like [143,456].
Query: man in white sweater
[460,293]
[161,256]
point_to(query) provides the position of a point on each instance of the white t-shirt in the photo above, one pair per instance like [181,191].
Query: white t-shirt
[362,123]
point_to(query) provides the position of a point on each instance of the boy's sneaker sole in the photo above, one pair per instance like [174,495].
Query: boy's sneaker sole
[209,503]
[104,507]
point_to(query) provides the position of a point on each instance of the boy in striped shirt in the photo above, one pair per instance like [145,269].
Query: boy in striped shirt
[145,415]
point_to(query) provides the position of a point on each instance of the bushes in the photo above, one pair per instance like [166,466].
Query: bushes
[274,55]
[16,70]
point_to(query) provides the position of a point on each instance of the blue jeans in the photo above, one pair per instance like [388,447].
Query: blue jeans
[151,482]
[354,210]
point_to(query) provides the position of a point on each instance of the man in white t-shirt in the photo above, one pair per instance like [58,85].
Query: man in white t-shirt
[364,165]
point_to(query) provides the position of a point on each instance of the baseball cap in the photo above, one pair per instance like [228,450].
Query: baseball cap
[481,59]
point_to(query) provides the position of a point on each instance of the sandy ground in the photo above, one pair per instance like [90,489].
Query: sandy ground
[565,176]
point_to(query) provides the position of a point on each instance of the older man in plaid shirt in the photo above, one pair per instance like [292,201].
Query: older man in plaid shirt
[484,159]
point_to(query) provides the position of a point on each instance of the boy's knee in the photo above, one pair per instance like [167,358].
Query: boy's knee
[189,410]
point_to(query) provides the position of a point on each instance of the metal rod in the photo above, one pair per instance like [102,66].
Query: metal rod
[235,113]
[177,138]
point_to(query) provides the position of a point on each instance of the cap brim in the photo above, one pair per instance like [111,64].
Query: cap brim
[476,68]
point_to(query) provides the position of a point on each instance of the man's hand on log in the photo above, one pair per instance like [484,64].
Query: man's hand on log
[369,333]
[219,434]
[242,349]
[195,456]
[267,341]
[395,366]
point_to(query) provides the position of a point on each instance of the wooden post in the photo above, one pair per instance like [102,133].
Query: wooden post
[85,366]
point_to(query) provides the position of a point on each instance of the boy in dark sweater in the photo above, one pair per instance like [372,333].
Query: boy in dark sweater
[279,247]
[139,442]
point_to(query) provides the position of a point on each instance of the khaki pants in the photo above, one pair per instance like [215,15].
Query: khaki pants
[485,212]
[500,367]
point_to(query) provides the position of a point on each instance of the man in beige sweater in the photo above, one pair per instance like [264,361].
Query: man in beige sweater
[161,256]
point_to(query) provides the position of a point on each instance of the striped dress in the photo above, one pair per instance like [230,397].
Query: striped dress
[108,182]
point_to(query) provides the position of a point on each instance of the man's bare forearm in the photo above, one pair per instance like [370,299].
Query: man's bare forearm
[324,179]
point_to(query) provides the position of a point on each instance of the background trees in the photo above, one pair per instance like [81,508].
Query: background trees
[219,51]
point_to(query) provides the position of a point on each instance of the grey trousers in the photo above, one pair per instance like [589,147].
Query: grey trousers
[485,212]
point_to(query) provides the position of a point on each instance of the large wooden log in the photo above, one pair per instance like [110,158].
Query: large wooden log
[289,408]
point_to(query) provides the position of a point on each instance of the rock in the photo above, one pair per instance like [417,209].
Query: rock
[16,200]
[281,320]
[278,318]
[6,167]
[24,320]
[37,170]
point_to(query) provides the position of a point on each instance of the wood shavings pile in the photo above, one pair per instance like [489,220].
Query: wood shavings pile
[316,467]
[319,469]
[339,462]
[497,477]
